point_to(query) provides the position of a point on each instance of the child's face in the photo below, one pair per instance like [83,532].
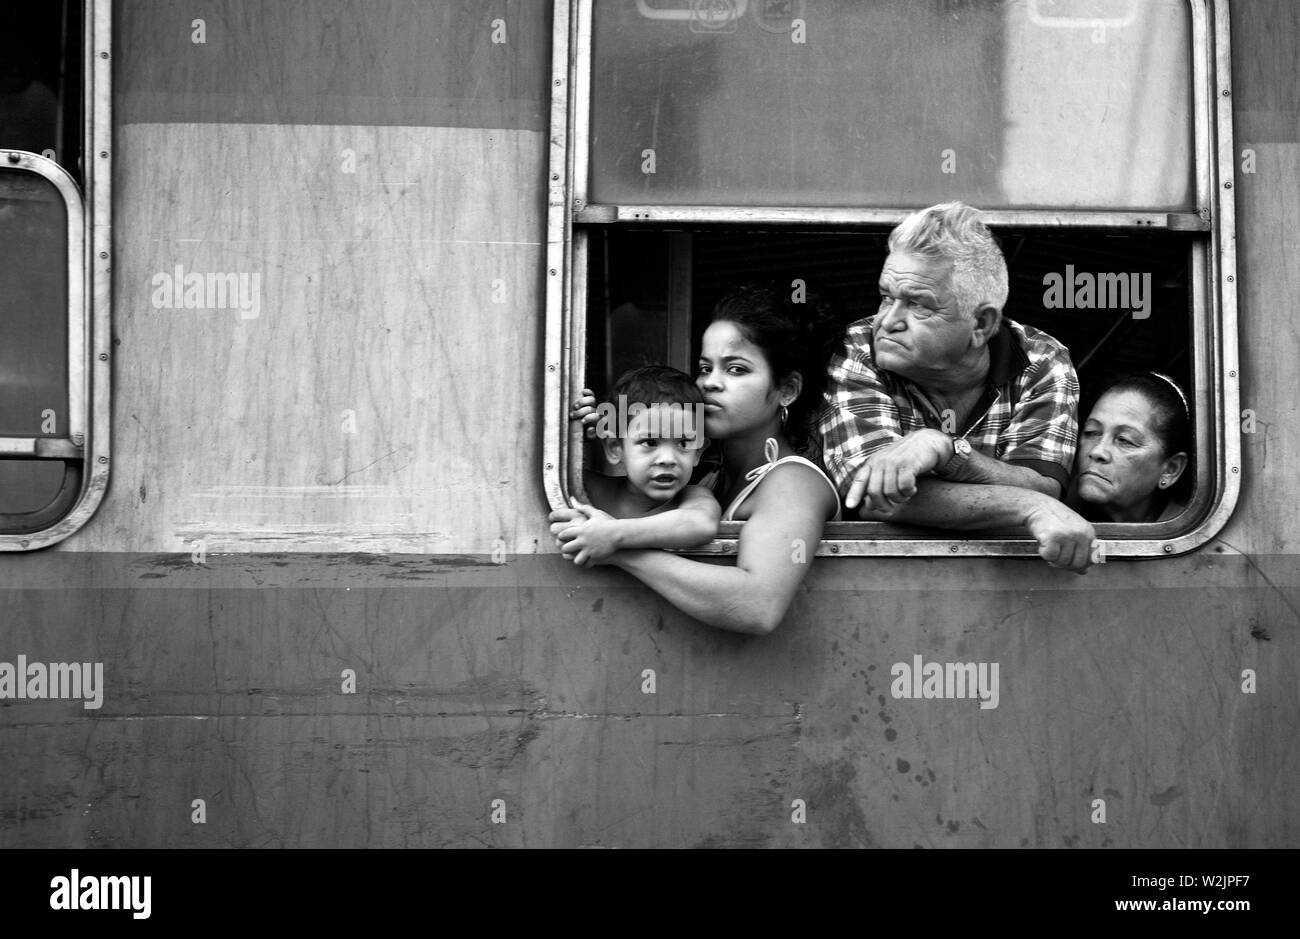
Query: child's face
[658,467]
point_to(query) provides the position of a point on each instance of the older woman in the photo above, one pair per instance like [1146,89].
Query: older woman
[1134,452]
[752,367]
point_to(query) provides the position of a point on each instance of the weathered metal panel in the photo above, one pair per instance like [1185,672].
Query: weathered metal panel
[328,277]
[525,682]
[1267,132]
[350,391]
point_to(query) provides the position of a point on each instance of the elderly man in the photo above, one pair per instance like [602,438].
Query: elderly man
[942,412]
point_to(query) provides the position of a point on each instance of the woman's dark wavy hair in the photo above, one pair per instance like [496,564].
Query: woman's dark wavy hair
[1171,422]
[797,329]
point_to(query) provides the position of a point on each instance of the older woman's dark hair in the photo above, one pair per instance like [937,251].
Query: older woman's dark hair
[1171,421]
[797,329]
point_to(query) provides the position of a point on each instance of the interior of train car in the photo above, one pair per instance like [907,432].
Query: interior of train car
[646,287]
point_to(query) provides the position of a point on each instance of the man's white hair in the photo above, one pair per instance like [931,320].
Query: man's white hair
[953,231]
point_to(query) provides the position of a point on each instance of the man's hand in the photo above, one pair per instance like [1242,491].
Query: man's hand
[1065,539]
[888,478]
[584,534]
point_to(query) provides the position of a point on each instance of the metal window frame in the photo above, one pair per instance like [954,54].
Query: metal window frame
[1213,290]
[89,289]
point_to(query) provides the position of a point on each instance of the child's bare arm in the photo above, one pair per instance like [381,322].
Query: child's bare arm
[593,539]
[691,524]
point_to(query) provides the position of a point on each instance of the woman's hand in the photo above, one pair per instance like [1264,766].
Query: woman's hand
[584,409]
[585,535]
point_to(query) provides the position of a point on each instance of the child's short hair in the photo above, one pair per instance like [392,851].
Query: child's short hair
[656,384]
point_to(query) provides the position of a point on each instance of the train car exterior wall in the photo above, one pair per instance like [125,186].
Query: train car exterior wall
[293,583]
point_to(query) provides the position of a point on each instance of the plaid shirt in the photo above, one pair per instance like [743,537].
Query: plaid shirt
[1027,416]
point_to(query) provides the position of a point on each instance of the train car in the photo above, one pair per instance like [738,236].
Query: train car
[296,298]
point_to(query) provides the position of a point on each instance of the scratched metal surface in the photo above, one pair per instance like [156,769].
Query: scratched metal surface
[380,167]
[523,682]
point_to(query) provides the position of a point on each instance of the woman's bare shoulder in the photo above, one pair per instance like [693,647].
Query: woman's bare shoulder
[792,488]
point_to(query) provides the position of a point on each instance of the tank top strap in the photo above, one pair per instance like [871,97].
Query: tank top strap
[772,450]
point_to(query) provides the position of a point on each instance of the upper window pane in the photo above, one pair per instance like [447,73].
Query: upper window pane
[1066,104]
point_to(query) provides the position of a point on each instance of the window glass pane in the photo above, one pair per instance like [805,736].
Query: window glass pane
[1017,104]
[33,307]
[28,486]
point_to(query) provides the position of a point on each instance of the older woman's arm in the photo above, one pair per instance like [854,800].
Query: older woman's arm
[777,544]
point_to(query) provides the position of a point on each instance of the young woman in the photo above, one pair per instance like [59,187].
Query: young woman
[1134,452]
[760,370]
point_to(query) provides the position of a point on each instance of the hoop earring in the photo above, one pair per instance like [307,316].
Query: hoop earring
[785,415]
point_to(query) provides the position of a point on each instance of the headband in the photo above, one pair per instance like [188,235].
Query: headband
[1174,385]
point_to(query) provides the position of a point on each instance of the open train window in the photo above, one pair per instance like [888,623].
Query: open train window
[54,270]
[699,145]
